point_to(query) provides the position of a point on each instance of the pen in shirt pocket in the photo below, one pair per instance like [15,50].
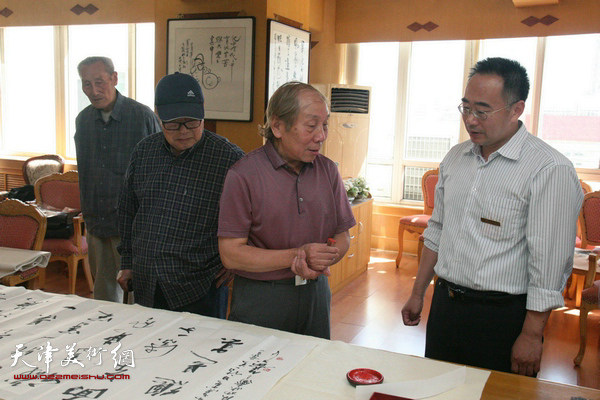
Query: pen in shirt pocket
[490,221]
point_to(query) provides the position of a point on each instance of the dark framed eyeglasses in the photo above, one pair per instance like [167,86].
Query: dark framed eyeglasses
[175,126]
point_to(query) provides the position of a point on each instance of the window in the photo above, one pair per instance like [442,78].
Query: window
[40,89]
[384,83]
[414,120]
[432,126]
[27,90]
[570,98]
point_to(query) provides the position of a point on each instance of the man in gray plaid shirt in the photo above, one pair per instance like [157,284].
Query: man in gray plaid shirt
[107,131]
[169,207]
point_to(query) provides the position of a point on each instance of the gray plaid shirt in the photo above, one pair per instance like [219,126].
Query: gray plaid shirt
[168,217]
[103,152]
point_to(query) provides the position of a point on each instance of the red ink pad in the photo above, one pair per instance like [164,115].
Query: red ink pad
[364,376]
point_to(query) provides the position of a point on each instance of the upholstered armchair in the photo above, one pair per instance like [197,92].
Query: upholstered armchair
[588,303]
[418,222]
[36,167]
[22,226]
[586,189]
[575,283]
[58,192]
[589,220]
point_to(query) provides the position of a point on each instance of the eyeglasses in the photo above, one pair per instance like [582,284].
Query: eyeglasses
[481,115]
[175,126]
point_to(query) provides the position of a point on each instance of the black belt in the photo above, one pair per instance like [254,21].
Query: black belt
[465,294]
[285,281]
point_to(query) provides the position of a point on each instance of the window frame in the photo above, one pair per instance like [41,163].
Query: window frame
[472,54]
[61,92]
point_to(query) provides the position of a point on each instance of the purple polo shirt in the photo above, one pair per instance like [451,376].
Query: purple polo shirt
[266,201]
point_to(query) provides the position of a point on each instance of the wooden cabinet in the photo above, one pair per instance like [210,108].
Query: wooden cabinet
[356,260]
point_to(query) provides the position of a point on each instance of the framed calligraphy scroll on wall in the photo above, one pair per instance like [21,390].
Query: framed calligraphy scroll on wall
[219,53]
[288,55]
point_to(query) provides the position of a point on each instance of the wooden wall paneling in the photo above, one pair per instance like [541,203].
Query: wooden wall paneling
[414,20]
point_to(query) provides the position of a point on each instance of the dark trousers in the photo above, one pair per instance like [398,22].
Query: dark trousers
[213,304]
[474,328]
[282,305]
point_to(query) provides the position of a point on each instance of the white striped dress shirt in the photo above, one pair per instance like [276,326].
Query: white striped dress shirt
[507,224]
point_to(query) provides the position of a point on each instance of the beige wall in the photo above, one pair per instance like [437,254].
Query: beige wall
[306,12]
[244,134]
[326,57]
[387,20]
[331,23]
[58,12]
[362,21]
[318,13]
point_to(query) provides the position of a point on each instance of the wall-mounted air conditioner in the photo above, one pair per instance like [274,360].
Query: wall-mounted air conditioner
[348,138]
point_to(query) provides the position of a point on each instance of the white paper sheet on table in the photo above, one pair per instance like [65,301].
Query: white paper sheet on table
[304,368]
[419,389]
[13,260]
[176,354]
[257,370]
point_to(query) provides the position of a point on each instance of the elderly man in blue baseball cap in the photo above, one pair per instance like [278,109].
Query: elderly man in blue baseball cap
[169,207]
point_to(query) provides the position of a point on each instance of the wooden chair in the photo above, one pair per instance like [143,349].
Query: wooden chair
[418,222]
[36,167]
[589,225]
[573,279]
[57,192]
[22,226]
[586,189]
[585,307]
[420,248]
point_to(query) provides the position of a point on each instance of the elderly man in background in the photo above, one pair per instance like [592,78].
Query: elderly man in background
[106,133]
[280,205]
[169,207]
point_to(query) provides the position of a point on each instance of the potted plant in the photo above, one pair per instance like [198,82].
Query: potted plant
[356,188]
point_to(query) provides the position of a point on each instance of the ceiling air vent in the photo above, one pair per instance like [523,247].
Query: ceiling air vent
[349,101]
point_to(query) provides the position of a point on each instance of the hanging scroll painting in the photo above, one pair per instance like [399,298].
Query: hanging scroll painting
[288,55]
[219,53]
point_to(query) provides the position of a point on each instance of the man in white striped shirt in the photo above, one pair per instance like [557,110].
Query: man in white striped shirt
[502,233]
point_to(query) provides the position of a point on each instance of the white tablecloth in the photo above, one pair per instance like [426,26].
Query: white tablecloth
[36,319]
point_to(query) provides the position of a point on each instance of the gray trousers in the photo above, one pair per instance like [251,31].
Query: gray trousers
[105,263]
[282,305]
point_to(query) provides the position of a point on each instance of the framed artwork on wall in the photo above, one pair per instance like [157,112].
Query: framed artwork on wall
[219,53]
[288,55]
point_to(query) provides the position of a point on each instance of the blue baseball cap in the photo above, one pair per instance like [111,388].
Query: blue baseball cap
[179,96]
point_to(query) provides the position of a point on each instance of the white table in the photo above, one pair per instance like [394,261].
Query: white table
[319,375]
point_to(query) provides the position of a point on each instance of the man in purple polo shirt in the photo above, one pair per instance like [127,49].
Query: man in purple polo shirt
[280,205]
